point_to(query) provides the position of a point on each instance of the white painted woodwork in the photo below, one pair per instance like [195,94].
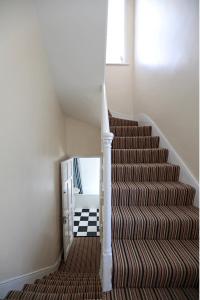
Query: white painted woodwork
[107,138]
[17,283]
[186,175]
[67,204]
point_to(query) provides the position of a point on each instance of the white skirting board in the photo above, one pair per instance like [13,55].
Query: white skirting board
[185,174]
[17,283]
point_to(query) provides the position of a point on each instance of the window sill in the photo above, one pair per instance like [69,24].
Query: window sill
[117,64]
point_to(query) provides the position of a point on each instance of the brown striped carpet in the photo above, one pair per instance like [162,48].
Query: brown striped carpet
[76,279]
[154,225]
[155,231]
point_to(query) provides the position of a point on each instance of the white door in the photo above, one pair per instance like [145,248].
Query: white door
[67,204]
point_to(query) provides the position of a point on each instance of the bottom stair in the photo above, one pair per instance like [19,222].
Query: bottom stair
[66,284]
[76,279]
[155,263]
[152,294]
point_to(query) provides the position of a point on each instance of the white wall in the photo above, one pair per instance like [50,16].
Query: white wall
[162,78]
[90,174]
[31,145]
[86,201]
[82,139]
[166,71]
[119,78]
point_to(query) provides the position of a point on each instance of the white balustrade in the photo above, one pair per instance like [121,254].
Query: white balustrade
[106,142]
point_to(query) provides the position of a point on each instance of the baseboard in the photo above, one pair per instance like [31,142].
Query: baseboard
[185,174]
[17,283]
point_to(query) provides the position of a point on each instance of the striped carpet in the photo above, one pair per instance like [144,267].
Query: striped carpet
[76,279]
[155,226]
[155,231]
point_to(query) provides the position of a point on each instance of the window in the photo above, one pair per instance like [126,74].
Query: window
[116,37]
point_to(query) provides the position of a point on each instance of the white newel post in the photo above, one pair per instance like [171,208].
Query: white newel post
[107,249]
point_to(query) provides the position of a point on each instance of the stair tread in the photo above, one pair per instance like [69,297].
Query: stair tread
[155,222]
[139,150]
[153,294]
[145,164]
[54,288]
[61,285]
[66,282]
[155,263]
[55,296]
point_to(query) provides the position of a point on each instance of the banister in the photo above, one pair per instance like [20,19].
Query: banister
[106,142]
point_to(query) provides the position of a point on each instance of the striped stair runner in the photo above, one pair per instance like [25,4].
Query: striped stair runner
[154,223]
[76,279]
[154,231]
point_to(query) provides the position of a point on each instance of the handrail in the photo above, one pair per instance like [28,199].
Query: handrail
[105,119]
[106,142]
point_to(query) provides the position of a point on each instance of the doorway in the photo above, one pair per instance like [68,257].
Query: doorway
[86,181]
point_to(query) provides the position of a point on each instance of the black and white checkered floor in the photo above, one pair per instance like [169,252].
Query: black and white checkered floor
[86,222]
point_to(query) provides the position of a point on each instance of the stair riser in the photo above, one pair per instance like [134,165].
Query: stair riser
[67,282]
[145,173]
[135,143]
[156,266]
[131,131]
[124,196]
[157,229]
[139,156]
[53,296]
[152,294]
[121,122]
[62,289]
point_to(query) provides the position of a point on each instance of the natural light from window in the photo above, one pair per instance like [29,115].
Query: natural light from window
[154,36]
[115,53]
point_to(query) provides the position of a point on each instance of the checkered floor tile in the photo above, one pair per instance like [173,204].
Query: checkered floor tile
[86,222]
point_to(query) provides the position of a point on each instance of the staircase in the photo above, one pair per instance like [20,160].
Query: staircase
[76,279]
[154,231]
[154,225]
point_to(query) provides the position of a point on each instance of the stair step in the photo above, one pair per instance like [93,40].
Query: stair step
[152,294]
[62,289]
[152,193]
[121,122]
[139,142]
[125,156]
[131,130]
[155,222]
[75,276]
[155,264]
[53,296]
[67,282]
[145,172]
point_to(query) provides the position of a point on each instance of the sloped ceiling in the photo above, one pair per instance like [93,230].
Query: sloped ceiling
[74,35]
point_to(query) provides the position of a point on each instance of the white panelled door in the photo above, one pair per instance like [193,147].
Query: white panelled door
[67,204]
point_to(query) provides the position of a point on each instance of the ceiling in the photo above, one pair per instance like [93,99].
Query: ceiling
[74,35]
